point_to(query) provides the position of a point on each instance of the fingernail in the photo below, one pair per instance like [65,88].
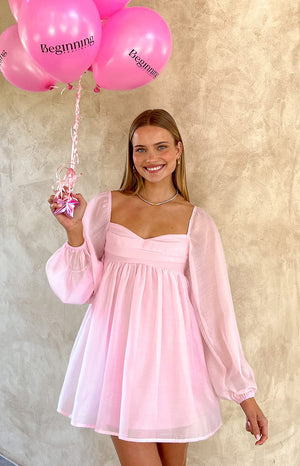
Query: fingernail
[257,437]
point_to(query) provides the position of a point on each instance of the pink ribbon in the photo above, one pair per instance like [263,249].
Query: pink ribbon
[65,183]
[67,204]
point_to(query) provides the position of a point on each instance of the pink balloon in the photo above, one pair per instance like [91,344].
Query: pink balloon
[136,45]
[15,6]
[107,8]
[17,65]
[63,36]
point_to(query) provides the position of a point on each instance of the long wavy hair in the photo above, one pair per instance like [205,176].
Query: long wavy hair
[132,181]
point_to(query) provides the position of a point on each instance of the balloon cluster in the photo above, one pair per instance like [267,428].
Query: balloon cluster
[58,40]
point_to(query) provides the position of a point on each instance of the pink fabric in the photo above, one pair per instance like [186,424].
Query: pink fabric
[159,344]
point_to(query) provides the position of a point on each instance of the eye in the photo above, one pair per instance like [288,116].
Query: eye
[140,150]
[162,147]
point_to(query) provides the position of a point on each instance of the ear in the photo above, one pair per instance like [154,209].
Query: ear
[179,149]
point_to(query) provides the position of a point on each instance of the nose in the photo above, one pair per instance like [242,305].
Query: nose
[151,155]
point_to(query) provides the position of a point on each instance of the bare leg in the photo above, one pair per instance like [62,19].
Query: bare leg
[136,453]
[173,454]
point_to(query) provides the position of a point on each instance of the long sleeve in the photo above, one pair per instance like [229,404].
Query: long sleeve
[230,373]
[74,273]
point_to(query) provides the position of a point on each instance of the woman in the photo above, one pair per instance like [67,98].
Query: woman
[159,344]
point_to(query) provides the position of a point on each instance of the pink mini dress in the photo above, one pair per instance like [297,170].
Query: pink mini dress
[138,368]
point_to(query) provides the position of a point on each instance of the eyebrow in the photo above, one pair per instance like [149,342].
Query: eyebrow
[156,144]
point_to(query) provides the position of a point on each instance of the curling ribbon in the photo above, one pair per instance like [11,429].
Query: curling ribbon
[65,182]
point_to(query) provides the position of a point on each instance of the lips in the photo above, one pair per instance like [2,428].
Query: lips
[154,168]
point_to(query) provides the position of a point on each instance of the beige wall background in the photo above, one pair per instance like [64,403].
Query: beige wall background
[233,85]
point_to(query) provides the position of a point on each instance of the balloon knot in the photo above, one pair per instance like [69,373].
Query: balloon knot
[70,86]
[97,89]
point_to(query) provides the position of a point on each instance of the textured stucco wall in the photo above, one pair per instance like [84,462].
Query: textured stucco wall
[233,86]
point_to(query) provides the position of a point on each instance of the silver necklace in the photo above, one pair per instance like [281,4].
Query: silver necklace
[157,203]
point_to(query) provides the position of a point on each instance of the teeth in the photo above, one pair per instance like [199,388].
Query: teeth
[154,169]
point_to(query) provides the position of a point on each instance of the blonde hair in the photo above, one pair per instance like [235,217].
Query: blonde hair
[132,181]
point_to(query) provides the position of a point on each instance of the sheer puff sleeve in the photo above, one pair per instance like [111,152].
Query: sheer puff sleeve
[74,273]
[230,373]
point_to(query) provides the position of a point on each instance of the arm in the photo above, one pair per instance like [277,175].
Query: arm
[74,271]
[230,373]
[70,274]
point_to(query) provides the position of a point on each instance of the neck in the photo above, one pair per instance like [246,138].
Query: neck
[157,192]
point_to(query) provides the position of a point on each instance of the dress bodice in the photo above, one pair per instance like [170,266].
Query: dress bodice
[164,251]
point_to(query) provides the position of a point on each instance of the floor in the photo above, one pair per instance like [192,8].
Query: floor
[6,462]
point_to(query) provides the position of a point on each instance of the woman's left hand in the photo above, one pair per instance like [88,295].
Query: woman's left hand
[256,422]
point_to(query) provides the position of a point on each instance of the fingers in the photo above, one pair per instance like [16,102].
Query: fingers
[80,198]
[258,428]
[263,425]
[53,205]
[248,425]
[255,429]
[252,427]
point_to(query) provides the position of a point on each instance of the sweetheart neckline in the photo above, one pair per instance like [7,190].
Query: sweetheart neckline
[152,237]
[159,236]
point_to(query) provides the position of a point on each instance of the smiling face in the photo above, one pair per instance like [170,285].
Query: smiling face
[155,153]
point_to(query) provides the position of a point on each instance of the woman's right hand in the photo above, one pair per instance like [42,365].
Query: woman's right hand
[73,226]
